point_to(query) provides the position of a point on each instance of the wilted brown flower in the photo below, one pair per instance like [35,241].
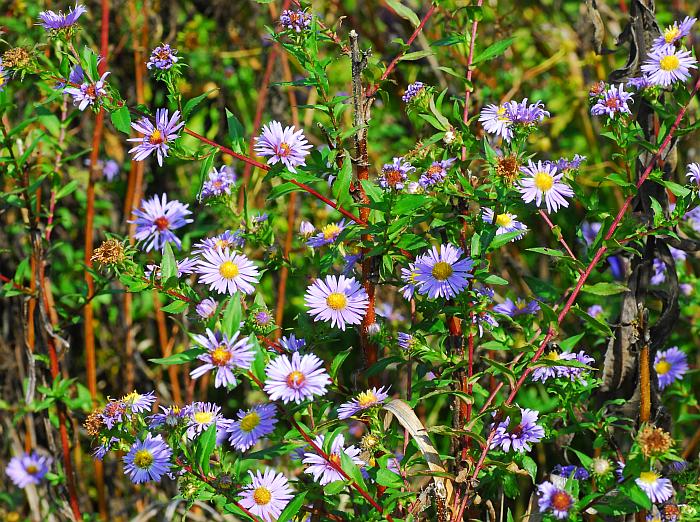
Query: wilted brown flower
[110,252]
[94,423]
[507,168]
[654,441]
[596,89]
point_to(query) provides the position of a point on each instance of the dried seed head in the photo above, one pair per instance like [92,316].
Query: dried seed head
[369,441]
[16,58]
[654,441]
[110,252]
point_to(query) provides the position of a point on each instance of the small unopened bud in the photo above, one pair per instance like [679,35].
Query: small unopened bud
[449,137]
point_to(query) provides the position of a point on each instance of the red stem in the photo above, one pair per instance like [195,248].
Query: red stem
[371,91]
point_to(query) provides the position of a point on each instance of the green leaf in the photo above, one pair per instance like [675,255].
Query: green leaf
[293,507]
[678,190]
[236,133]
[604,288]
[231,322]
[493,50]
[191,104]
[204,446]
[333,488]
[416,55]
[168,265]
[180,358]
[404,12]
[341,184]
[389,479]
[635,494]
[121,119]
[175,307]
[547,251]
[338,361]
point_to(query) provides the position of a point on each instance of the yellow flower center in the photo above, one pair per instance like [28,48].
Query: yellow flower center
[295,379]
[250,422]
[143,459]
[2,81]
[222,243]
[543,181]
[284,150]
[228,270]
[337,300]
[131,397]
[330,231]
[648,477]
[31,469]
[220,356]
[663,367]
[203,417]
[504,220]
[669,63]
[366,399]
[262,496]
[502,114]
[156,138]
[671,33]
[334,458]
[441,270]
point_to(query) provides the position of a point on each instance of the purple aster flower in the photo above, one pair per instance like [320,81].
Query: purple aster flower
[262,318]
[105,445]
[227,272]
[496,120]
[162,57]
[295,20]
[251,426]
[296,378]
[519,307]
[53,21]
[218,184]
[365,400]
[388,312]
[88,93]
[436,173]
[206,308]
[686,289]
[148,459]
[184,266]
[135,402]
[674,33]
[306,229]
[484,291]
[223,355]
[406,341]
[113,413]
[338,299]
[76,76]
[523,113]
[156,219]
[596,311]
[571,471]
[666,65]
[544,183]
[658,489]
[670,365]
[288,146]
[156,137]
[554,499]
[328,235]
[110,170]
[261,218]
[28,469]
[267,495]
[4,73]
[228,239]
[408,276]
[521,436]
[394,174]
[484,319]
[170,417]
[292,344]
[443,272]
[678,466]
[412,91]
[694,172]
[321,469]
[505,222]
[200,415]
[544,373]
[639,83]
[349,262]
[589,231]
[613,101]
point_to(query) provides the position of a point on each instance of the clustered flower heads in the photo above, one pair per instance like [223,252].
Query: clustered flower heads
[502,120]
[413,91]
[162,57]
[295,20]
